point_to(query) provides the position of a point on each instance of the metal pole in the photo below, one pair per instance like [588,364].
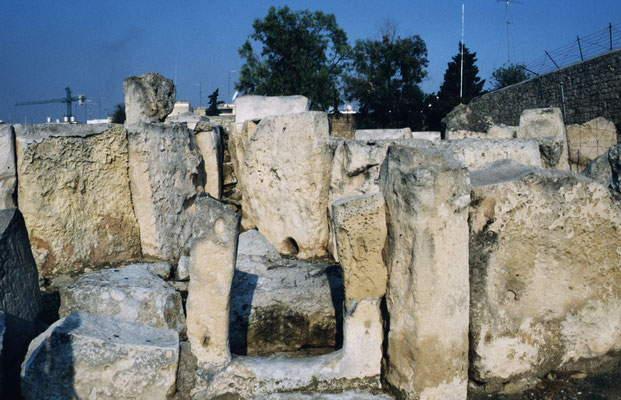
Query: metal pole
[548,54]
[508,52]
[580,47]
[610,32]
[461,82]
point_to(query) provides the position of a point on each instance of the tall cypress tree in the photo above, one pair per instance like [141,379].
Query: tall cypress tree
[448,96]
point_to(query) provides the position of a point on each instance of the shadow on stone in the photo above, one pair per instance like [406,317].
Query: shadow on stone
[239,314]
[337,292]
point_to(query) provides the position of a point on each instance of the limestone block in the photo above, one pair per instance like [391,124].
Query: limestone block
[182,272]
[426,253]
[477,153]
[188,118]
[73,191]
[164,176]
[19,296]
[8,177]
[259,107]
[283,305]
[464,118]
[210,145]
[599,170]
[133,293]
[553,150]
[92,356]
[546,122]
[356,366]
[253,243]
[383,134]
[215,230]
[148,98]
[545,252]
[285,179]
[502,131]
[590,140]
[360,226]
[427,135]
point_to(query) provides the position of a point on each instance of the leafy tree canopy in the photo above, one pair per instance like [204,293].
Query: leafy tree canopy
[385,81]
[118,117]
[509,75]
[301,52]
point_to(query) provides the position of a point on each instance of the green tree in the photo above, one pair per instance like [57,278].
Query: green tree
[118,117]
[385,81]
[451,92]
[213,103]
[509,75]
[302,52]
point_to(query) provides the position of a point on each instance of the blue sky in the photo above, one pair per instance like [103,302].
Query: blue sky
[91,46]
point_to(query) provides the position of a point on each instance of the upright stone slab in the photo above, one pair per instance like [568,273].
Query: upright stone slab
[426,253]
[215,232]
[360,226]
[133,293]
[148,98]
[590,140]
[478,153]
[8,177]
[285,178]
[259,107]
[88,356]
[164,177]
[73,191]
[545,122]
[545,278]
[210,144]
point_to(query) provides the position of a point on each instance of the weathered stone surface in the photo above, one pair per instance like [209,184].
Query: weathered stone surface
[73,190]
[463,118]
[477,153]
[188,118]
[20,298]
[148,98]
[599,170]
[347,395]
[281,305]
[253,243]
[546,122]
[8,177]
[383,134]
[215,231]
[355,366]
[210,145]
[285,178]
[553,150]
[259,107]
[92,356]
[182,272]
[614,160]
[133,293]
[496,131]
[545,278]
[426,253]
[164,176]
[360,226]
[590,140]
[427,135]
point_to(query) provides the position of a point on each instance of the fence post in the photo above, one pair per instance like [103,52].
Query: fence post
[580,47]
[548,54]
[610,32]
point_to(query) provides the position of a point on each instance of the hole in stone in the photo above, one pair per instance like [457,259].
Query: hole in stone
[290,246]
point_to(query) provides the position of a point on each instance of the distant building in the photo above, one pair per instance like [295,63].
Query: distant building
[181,107]
[99,121]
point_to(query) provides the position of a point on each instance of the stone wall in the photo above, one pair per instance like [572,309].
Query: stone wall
[342,126]
[591,88]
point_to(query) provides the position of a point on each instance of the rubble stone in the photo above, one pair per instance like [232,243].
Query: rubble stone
[148,98]
[545,278]
[164,177]
[74,193]
[93,356]
[133,293]
[426,253]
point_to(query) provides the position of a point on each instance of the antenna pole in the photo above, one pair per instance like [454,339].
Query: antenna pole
[461,82]
[508,52]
